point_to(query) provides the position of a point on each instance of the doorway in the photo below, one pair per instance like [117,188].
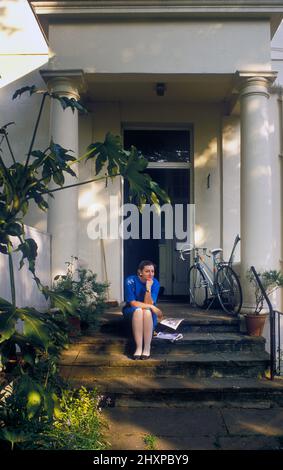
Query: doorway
[169,153]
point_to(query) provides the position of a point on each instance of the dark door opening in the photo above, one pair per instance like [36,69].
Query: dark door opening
[171,272]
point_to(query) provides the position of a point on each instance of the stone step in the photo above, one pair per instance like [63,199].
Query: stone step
[152,392]
[191,342]
[187,326]
[212,323]
[187,392]
[217,365]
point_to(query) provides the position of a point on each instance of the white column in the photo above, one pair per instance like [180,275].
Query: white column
[256,195]
[63,209]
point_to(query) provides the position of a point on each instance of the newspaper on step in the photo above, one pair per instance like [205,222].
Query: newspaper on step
[173,337]
[172,322]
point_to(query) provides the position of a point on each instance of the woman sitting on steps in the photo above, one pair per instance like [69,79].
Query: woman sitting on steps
[141,291]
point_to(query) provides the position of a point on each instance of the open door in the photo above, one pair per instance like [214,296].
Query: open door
[171,271]
[168,152]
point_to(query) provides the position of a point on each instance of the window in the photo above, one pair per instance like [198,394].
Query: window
[160,145]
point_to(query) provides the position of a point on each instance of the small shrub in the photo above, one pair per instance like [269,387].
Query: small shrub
[78,423]
[150,441]
[90,294]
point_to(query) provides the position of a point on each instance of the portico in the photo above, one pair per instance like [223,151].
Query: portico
[115,100]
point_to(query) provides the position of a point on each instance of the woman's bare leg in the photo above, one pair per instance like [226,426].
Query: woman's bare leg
[137,325]
[147,331]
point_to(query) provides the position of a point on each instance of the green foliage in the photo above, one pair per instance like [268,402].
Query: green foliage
[77,424]
[271,280]
[44,334]
[131,165]
[88,292]
[26,408]
[150,441]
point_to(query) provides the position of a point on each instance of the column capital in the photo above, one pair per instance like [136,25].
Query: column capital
[254,83]
[68,83]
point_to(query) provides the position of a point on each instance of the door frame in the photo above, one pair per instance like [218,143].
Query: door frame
[159,165]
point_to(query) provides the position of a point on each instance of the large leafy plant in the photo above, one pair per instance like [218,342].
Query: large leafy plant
[43,335]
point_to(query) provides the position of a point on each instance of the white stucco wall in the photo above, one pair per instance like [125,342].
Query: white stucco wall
[212,46]
[27,293]
[93,128]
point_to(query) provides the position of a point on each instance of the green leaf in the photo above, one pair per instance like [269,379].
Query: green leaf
[71,172]
[5,304]
[110,149]
[38,154]
[70,103]
[7,324]
[3,249]
[29,252]
[33,403]
[159,191]
[32,89]
[15,229]
[14,436]
[59,178]
[63,300]
[34,328]
[46,173]
[3,128]
[61,154]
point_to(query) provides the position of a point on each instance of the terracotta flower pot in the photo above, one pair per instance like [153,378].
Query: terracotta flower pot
[255,324]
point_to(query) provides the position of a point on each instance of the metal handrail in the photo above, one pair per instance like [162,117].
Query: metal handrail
[276,312]
[272,320]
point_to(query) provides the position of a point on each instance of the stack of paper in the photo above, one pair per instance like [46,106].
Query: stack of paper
[172,322]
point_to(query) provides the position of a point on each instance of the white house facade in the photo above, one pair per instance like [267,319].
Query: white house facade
[201,80]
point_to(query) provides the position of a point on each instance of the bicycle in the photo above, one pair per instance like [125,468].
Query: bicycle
[205,285]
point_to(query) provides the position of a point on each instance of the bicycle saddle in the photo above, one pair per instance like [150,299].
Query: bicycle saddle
[215,251]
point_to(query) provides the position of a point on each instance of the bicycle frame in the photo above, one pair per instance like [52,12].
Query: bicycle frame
[208,273]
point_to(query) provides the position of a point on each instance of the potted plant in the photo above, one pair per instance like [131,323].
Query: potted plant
[271,280]
[89,293]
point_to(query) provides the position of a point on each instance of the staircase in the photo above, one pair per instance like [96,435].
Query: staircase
[214,363]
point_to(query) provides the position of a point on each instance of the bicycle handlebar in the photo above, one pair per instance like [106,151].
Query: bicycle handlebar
[204,249]
[192,248]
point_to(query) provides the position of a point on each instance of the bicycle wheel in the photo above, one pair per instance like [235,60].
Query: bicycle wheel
[229,290]
[198,287]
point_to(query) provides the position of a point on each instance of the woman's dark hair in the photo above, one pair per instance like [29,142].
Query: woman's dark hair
[146,263]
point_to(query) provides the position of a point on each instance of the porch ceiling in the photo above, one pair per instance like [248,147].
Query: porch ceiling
[179,88]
